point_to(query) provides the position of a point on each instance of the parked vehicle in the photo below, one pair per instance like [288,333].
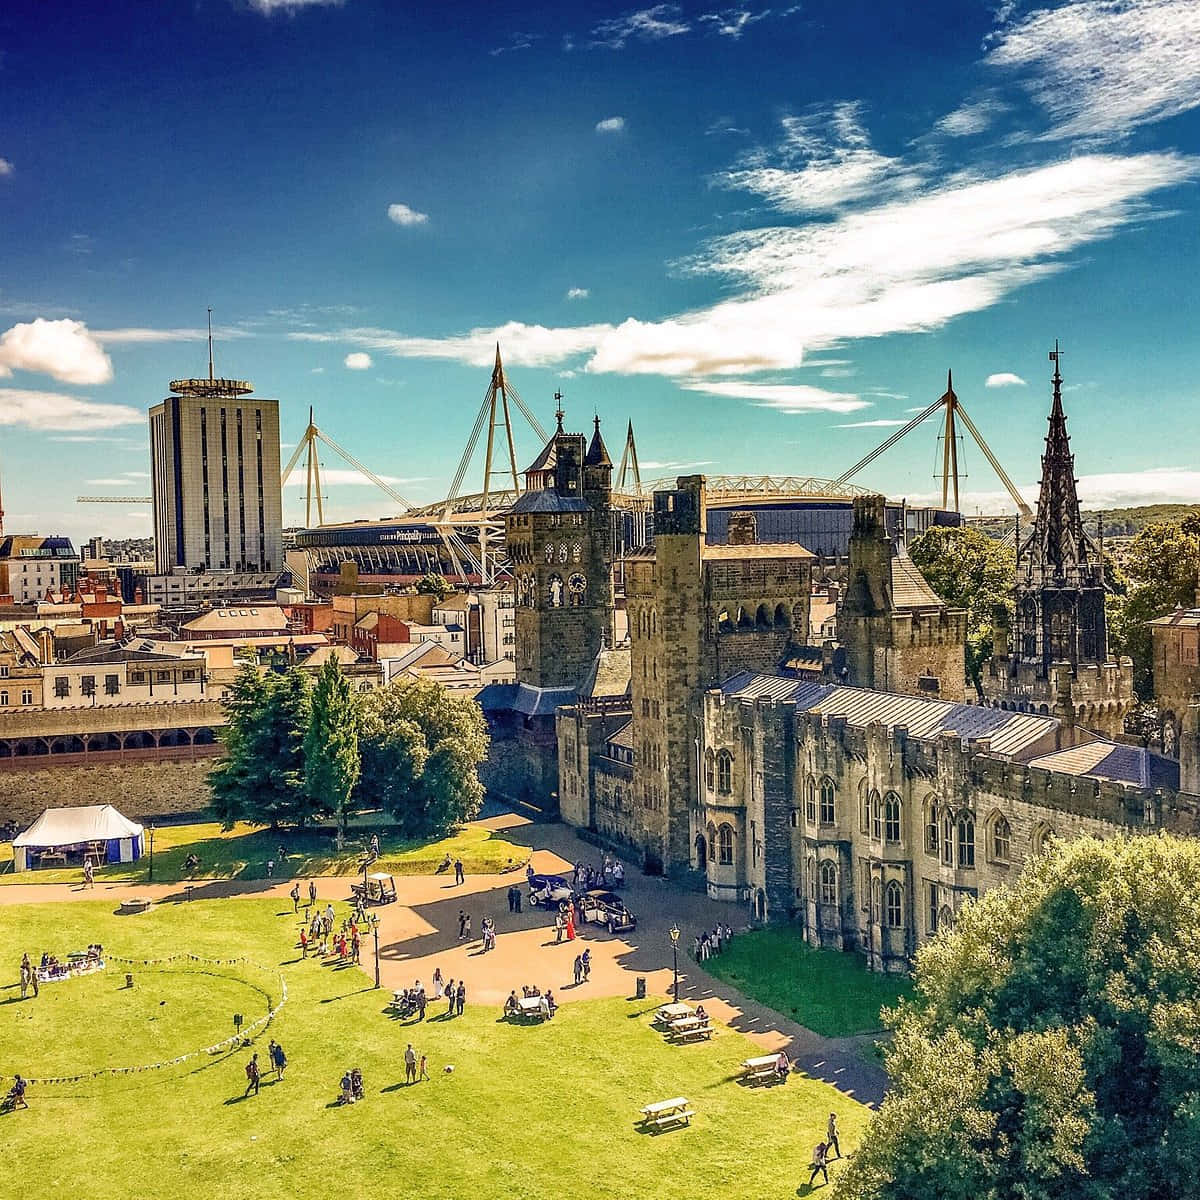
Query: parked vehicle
[602,907]
[548,889]
[379,889]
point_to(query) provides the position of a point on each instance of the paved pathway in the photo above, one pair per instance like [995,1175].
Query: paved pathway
[420,932]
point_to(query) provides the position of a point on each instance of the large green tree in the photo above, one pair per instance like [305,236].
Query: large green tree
[968,570]
[331,762]
[1051,1050]
[261,777]
[421,749]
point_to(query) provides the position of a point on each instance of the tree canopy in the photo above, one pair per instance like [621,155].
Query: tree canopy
[331,763]
[1052,1047]
[968,570]
[432,584]
[421,748]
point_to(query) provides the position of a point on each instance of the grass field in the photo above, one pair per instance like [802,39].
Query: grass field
[244,851]
[529,1110]
[825,990]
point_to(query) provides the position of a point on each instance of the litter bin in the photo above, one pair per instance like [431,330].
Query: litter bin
[641,987]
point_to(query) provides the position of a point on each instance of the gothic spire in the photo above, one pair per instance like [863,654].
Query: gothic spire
[597,453]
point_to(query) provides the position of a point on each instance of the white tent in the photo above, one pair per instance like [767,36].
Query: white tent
[74,828]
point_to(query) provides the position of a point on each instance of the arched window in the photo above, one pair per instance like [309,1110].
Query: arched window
[810,801]
[743,619]
[865,807]
[1041,835]
[876,816]
[781,616]
[891,817]
[893,905]
[710,778]
[829,882]
[931,827]
[965,836]
[763,617]
[947,837]
[875,891]
[812,877]
[724,621]
[828,811]
[1001,839]
[725,845]
[724,772]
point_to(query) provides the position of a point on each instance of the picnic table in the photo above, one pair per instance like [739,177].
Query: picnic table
[52,856]
[675,1012]
[765,1066]
[690,1029]
[667,1112]
[532,1006]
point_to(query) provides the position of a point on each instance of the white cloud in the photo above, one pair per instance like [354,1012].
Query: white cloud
[143,336]
[1104,67]
[516,41]
[610,125]
[971,118]
[401,214]
[120,481]
[644,25]
[577,293]
[346,477]
[837,372]
[317,371]
[358,361]
[673,466]
[787,397]
[1004,379]
[882,423]
[64,350]
[53,410]
[269,8]
[6,168]
[733,22]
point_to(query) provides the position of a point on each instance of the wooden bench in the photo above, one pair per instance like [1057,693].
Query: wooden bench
[667,1112]
[531,1008]
[764,1067]
[690,1029]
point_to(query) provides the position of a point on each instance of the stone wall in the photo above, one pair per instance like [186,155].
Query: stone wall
[145,787]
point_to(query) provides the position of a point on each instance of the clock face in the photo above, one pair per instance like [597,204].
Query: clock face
[577,583]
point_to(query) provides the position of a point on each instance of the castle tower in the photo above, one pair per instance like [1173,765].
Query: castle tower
[898,634]
[1060,590]
[559,539]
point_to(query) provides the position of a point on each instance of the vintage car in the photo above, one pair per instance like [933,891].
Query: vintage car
[548,889]
[606,908]
[376,889]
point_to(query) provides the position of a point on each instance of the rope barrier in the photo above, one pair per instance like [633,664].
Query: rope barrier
[247,1034]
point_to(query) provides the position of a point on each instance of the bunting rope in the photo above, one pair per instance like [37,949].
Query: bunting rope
[247,1033]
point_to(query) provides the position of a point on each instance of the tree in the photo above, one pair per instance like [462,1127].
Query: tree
[261,778]
[331,763]
[421,750]
[431,584]
[1050,1051]
[968,570]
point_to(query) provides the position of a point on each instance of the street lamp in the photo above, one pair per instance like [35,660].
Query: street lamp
[674,931]
[374,920]
[150,872]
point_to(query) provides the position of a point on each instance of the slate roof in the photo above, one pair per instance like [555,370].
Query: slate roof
[1101,760]
[623,736]
[1181,616]
[609,674]
[521,698]
[547,501]
[910,589]
[756,550]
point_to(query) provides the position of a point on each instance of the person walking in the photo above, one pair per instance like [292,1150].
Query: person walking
[424,1071]
[459,874]
[439,984]
[461,996]
[570,924]
[585,961]
[832,1142]
[467,928]
[559,928]
[295,895]
[517,898]
[422,1001]
[88,874]
[253,1076]
[312,891]
[819,1163]
[451,998]
[462,924]
[578,969]
[24,980]
[410,1064]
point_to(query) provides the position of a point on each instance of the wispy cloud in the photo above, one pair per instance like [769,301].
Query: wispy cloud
[140,335]
[732,22]
[53,410]
[578,293]
[882,423]
[516,41]
[65,350]
[643,25]
[971,118]
[401,214]
[610,125]
[1003,379]
[1101,68]
[787,397]
[674,466]
[270,8]
[358,361]
[6,168]
[348,477]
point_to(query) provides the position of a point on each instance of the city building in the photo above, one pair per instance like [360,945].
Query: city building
[115,673]
[33,567]
[1060,614]
[215,477]
[1176,665]
[21,656]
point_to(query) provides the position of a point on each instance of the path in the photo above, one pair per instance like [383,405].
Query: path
[420,932]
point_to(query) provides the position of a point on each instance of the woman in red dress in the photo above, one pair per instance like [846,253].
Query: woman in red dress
[570,924]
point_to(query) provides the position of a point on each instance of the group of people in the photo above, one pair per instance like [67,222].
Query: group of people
[583,967]
[610,873]
[460,875]
[487,928]
[564,923]
[320,938]
[351,1087]
[830,1147]
[708,944]
[547,1005]
[514,899]
[276,1061]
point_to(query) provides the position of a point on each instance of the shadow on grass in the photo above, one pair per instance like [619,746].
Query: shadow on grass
[347,995]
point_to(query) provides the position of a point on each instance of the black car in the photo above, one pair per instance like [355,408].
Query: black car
[606,908]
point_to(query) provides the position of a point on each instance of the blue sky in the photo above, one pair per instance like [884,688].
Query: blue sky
[764,232]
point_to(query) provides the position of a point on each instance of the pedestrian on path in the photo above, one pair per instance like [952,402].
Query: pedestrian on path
[831,1135]
[585,961]
[459,874]
[439,985]
[462,924]
[578,969]
[461,996]
[422,1001]
[312,891]
[295,895]
[410,1064]
[88,873]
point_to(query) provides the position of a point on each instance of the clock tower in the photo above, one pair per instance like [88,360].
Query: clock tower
[559,538]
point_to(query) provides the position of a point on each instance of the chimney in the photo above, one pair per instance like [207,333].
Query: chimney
[1064,706]
[743,529]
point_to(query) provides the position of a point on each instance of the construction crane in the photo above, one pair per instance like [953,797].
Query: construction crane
[114,499]
[950,476]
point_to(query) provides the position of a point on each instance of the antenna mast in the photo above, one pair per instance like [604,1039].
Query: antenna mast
[210,356]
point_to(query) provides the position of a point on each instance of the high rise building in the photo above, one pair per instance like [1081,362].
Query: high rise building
[216,481]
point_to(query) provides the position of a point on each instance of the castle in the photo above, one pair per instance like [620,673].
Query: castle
[850,787]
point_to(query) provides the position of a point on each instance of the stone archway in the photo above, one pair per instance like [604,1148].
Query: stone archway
[701,852]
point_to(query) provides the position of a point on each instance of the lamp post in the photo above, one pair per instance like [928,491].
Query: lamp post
[374,919]
[150,872]
[674,931]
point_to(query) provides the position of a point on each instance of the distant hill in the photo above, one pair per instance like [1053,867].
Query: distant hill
[1129,521]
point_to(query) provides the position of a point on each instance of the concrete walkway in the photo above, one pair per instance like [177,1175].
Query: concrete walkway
[420,932]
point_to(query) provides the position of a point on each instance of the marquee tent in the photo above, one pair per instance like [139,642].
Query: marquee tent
[96,827]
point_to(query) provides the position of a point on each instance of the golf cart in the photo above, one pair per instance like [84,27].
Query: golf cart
[377,889]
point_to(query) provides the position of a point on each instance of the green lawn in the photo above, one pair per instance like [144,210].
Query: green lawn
[825,990]
[529,1110]
[243,853]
